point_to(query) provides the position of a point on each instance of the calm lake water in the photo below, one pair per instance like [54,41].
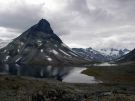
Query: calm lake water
[105,64]
[64,74]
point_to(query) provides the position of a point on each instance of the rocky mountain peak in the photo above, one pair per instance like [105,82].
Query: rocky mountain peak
[90,48]
[44,21]
[42,26]
[40,31]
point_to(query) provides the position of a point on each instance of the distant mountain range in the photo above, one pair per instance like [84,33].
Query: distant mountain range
[39,45]
[102,55]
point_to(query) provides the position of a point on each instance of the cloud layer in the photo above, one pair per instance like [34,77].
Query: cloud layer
[80,23]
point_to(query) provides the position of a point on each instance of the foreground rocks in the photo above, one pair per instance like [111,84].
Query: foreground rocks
[20,89]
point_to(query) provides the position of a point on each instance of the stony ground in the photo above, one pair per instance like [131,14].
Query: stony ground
[14,88]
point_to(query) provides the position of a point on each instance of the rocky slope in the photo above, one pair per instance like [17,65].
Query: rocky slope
[130,57]
[39,45]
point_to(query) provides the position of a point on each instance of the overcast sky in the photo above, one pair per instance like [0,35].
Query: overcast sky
[79,23]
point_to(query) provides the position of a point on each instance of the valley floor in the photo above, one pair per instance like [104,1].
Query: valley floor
[14,88]
[113,74]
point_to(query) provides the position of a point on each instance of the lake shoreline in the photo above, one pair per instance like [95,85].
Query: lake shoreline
[66,74]
[22,88]
[112,74]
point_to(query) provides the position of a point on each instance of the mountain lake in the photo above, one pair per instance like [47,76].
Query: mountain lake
[64,74]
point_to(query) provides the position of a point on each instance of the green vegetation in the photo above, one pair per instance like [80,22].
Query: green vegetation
[14,88]
[115,74]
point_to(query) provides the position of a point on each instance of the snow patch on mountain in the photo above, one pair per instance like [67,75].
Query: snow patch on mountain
[18,59]
[64,52]
[113,53]
[7,57]
[49,59]
[41,50]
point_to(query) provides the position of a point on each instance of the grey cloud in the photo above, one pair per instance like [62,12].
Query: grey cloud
[20,16]
[85,23]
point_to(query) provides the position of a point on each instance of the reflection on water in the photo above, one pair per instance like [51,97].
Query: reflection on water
[65,74]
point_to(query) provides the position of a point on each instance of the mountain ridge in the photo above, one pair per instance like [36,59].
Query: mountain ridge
[39,45]
[130,57]
[101,55]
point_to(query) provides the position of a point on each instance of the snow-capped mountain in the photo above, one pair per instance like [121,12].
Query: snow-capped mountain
[113,53]
[89,53]
[102,55]
[39,45]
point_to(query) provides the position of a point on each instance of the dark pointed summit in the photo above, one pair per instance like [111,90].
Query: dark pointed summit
[42,30]
[44,21]
[43,26]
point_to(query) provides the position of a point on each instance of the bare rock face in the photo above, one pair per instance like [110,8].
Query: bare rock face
[39,45]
